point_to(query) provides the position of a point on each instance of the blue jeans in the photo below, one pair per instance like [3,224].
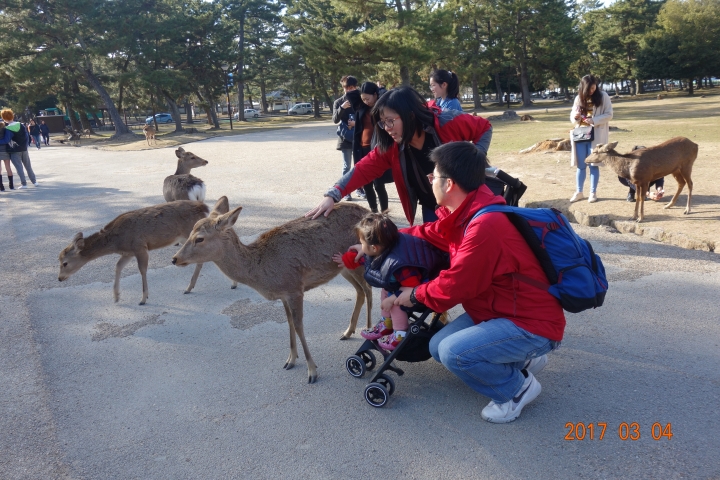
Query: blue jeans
[347,161]
[37,140]
[583,150]
[488,356]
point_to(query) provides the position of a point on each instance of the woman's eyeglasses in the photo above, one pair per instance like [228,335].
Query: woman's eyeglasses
[387,123]
[431,177]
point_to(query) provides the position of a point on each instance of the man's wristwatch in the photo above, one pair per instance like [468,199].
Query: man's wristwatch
[414,300]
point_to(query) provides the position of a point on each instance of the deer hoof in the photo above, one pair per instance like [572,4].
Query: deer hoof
[312,378]
[187,291]
[288,365]
[142,302]
[233,287]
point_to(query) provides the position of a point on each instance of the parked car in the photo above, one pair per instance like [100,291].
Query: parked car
[249,112]
[300,109]
[161,118]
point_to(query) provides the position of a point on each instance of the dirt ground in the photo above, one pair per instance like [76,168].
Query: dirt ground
[645,121]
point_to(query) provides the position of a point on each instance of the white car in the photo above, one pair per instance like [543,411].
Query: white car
[249,112]
[161,118]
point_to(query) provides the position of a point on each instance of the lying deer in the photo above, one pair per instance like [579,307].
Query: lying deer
[283,263]
[134,234]
[149,132]
[674,157]
[182,185]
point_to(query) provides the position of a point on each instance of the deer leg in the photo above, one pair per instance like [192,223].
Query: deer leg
[290,363]
[359,300]
[296,309]
[234,285]
[637,201]
[196,274]
[118,270]
[690,187]
[642,190]
[142,260]
[681,184]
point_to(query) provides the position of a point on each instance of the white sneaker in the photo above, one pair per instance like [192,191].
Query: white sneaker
[536,364]
[576,197]
[21,187]
[592,198]
[37,184]
[510,410]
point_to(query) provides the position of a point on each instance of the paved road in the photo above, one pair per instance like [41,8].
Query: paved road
[192,386]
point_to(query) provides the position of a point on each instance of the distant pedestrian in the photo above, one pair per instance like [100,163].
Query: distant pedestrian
[5,138]
[45,132]
[18,154]
[342,110]
[445,87]
[34,130]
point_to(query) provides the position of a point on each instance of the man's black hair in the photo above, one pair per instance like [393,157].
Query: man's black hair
[412,109]
[462,162]
[349,81]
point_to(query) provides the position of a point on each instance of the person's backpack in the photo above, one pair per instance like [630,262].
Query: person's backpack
[576,275]
[345,132]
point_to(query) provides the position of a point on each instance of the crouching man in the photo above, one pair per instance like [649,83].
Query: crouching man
[500,343]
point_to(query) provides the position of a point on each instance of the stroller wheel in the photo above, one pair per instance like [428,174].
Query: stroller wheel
[386,382]
[369,359]
[376,395]
[355,366]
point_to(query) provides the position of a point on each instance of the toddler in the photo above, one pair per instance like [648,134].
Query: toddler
[391,260]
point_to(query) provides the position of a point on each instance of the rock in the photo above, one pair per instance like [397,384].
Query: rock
[507,115]
[191,130]
[526,118]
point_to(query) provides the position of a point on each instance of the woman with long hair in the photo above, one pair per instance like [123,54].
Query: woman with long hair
[592,106]
[445,87]
[407,130]
[365,141]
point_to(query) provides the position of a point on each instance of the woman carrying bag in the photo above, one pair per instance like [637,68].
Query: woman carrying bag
[592,108]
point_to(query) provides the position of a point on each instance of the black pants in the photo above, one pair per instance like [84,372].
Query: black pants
[658,182]
[376,185]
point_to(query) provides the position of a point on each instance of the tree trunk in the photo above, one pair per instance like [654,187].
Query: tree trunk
[120,127]
[525,84]
[639,88]
[174,111]
[73,119]
[321,85]
[690,87]
[240,65]
[188,112]
[498,90]
[154,115]
[664,85]
[405,75]
[508,92]
[315,102]
[263,96]
[85,122]
[247,86]
[212,114]
[477,101]
[98,122]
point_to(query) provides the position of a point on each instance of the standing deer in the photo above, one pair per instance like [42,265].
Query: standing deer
[283,263]
[674,157]
[134,234]
[182,185]
[150,132]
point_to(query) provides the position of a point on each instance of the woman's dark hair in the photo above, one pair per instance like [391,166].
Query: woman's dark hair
[377,229]
[453,83]
[462,162]
[353,97]
[587,101]
[413,111]
[369,88]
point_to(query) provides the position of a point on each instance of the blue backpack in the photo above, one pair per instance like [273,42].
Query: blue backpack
[576,275]
[345,132]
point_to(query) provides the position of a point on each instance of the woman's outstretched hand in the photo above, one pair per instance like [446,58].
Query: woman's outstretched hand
[323,208]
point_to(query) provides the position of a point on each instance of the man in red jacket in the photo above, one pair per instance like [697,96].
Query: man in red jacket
[498,345]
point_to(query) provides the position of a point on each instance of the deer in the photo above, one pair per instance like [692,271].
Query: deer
[284,263]
[150,132]
[134,234]
[674,157]
[182,185]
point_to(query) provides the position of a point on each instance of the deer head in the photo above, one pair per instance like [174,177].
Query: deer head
[189,160]
[206,241]
[599,153]
[70,258]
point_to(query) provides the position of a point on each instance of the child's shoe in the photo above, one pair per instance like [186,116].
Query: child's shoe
[391,341]
[378,331]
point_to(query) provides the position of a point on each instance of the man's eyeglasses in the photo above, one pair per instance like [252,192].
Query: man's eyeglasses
[431,177]
[388,123]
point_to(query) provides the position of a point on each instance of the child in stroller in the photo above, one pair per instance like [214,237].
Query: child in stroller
[392,260]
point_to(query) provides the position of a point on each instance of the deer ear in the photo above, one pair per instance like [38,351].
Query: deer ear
[221,206]
[228,220]
[179,152]
[78,240]
[610,146]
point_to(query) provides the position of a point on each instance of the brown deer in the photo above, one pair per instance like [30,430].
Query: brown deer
[283,263]
[134,234]
[674,157]
[150,132]
[182,185]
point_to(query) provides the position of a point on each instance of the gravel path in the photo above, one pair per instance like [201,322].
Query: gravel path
[192,386]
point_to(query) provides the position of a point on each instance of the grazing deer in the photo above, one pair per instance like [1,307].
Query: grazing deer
[674,157]
[283,263]
[134,234]
[150,132]
[182,185]
[87,132]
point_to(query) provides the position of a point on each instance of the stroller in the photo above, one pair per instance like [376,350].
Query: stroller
[416,345]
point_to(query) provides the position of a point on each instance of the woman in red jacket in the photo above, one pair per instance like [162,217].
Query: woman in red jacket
[407,130]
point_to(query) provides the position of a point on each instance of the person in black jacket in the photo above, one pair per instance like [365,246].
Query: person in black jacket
[34,130]
[45,132]
[342,111]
